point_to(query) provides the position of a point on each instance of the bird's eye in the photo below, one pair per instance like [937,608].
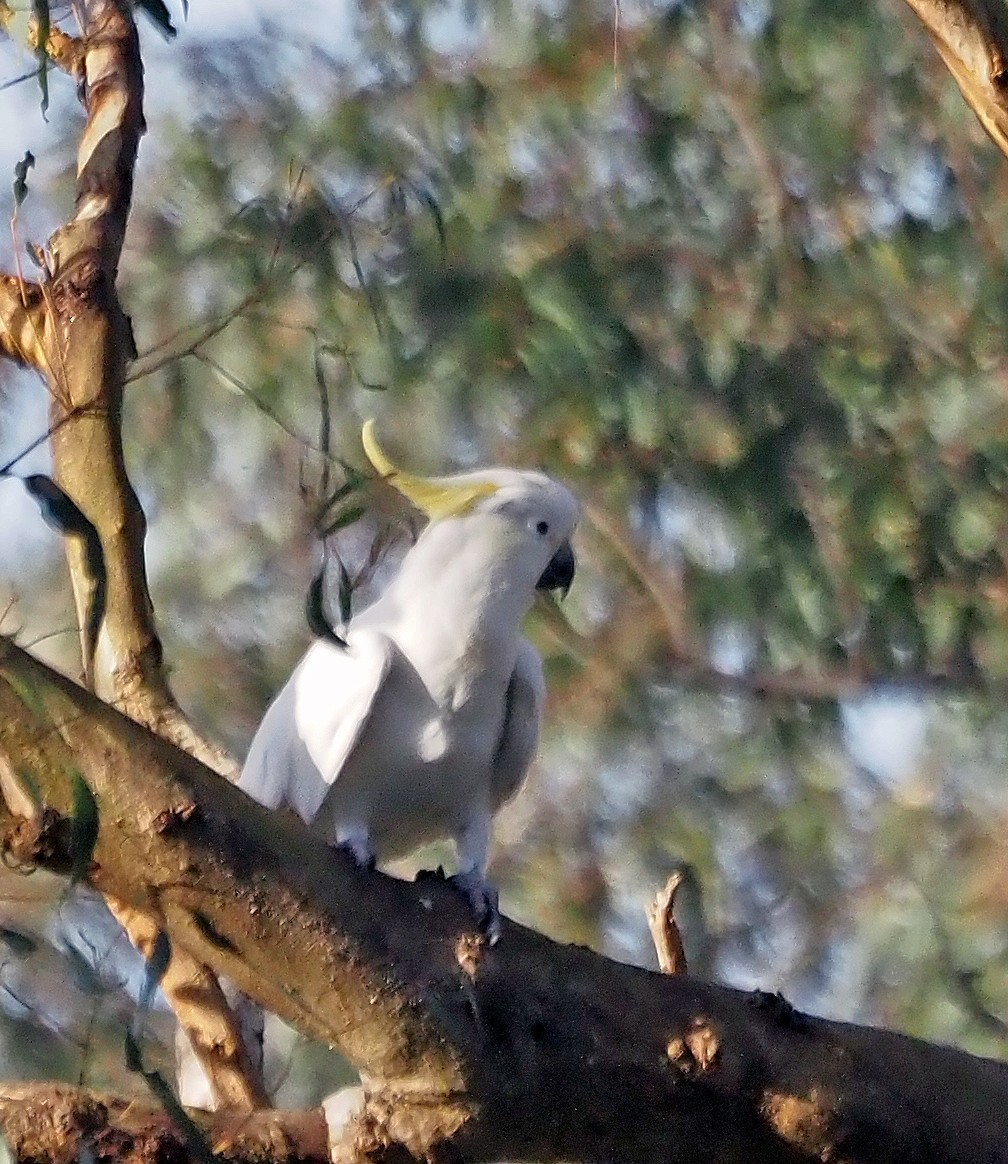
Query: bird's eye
[542,527]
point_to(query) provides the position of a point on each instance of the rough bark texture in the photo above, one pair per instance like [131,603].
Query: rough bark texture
[64,1125]
[72,329]
[972,39]
[528,1050]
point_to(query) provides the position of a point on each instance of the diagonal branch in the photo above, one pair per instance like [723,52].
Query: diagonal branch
[458,1042]
[972,39]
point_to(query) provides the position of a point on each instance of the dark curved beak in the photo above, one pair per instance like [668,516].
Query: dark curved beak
[559,574]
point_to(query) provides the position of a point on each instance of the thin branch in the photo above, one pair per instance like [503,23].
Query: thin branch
[664,931]
[240,386]
[178,347]
[971,37]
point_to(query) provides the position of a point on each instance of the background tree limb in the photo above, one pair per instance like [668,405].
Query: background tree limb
[972,39]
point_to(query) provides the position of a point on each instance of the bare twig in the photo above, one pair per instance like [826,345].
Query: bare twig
[664,931]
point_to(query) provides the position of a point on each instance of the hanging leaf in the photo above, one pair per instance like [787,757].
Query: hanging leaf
[315,614]
[196,1142]
[342,520]
[154,970]
[158,13]
[345,593]
[21,177]
[430,203]
[83,828]
[62,514]
[40,9]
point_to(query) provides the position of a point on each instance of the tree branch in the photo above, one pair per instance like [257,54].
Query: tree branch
[72,329]
[66,52]
[63,1125]
[22,318]
[459,1042]
[972,39]
[664,931]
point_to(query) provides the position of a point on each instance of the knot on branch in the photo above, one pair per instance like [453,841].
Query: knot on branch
[41,839]
[806,1122]
[77,285]
[696,1051]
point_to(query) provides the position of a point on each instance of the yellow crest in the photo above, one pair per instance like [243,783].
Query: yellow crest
[436,496]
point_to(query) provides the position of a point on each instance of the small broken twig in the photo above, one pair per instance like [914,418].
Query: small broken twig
[664,931]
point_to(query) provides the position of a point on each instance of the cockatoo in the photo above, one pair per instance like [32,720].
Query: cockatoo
[426,721]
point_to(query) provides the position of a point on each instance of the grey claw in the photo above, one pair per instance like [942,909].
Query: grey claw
[363,855]
[481,897]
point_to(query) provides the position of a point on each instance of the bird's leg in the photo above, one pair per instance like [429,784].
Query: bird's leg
[472,844]
[357,842]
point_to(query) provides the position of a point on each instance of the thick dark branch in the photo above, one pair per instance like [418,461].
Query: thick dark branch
[972,39]
[528,1050]
[64,1125]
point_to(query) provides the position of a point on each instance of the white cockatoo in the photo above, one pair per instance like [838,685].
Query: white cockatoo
[426,721]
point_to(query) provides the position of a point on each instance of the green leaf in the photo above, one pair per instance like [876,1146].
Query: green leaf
[84,828]
[158,12]
[40,9]
[315,614]
[975,525]
[21,177]
[345,593]
[351,485]
[154,970]
[427,200]
[342,520]
[196,1142]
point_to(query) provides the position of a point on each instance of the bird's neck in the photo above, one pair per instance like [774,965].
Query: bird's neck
[456,609]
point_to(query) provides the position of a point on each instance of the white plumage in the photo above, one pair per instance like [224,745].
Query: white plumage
[426,722]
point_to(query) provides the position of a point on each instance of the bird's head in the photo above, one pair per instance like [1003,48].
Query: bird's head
[531,517]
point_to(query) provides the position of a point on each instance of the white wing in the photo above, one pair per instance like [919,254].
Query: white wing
[313,724]
[522,714]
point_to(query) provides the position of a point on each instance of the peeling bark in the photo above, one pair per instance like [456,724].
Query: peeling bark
[66,52]
[72,329]
[528,1050]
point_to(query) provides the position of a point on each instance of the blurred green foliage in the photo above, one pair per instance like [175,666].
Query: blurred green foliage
[737,274]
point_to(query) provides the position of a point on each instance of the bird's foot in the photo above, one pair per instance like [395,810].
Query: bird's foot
[481,897]
[358,845]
